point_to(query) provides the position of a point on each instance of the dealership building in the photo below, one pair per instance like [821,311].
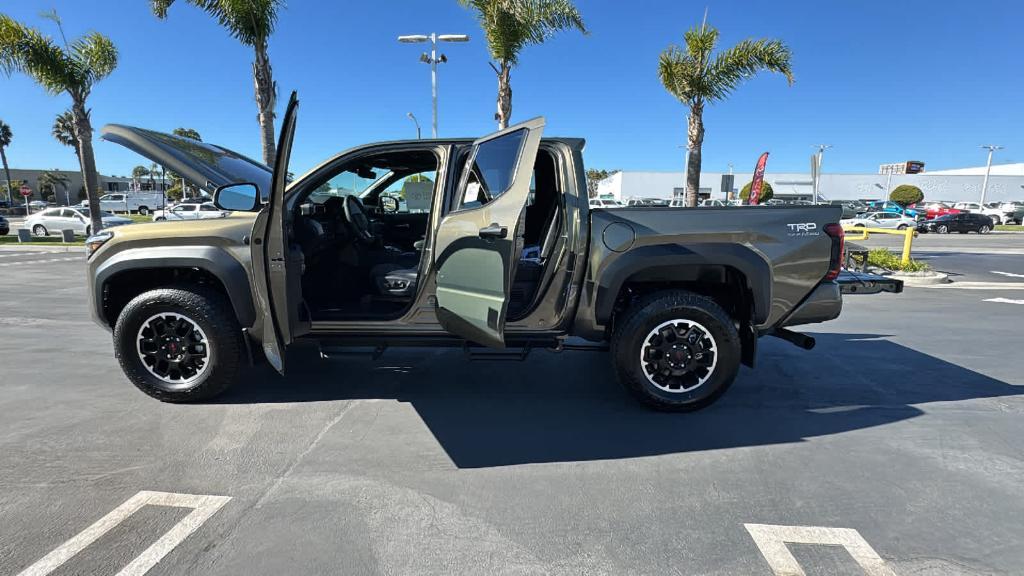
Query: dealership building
[1006,183]
[73,191]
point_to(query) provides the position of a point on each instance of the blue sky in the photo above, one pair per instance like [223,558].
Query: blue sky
[880,81]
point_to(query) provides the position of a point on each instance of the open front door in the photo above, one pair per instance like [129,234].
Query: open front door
[275,271]
[479,242]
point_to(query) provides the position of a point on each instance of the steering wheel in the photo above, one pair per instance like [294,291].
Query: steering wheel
[358,219]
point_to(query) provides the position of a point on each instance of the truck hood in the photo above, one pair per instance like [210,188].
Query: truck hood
[205,165]
[231,229]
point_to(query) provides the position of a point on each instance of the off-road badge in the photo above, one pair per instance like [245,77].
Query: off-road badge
[803,229]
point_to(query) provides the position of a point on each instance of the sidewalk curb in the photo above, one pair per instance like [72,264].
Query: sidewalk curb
[914,280]
[30,247]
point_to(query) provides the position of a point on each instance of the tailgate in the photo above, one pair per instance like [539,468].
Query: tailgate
[865,283]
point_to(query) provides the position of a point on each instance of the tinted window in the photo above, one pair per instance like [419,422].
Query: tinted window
[207,208]
[493,169]
[51,213]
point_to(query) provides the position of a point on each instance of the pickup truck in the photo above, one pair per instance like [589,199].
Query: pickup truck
[494,246]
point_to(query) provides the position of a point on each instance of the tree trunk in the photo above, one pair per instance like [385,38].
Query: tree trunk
[266,98]
[7,172]
[83,132]
[504,96]
[694,140]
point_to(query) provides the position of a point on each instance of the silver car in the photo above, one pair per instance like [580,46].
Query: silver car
[53,220]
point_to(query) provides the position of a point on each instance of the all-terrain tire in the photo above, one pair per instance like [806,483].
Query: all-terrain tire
[678,310]
[214,316]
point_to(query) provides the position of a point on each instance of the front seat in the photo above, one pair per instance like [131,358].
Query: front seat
[393,279]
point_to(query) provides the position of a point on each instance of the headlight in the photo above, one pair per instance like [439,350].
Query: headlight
[93,243]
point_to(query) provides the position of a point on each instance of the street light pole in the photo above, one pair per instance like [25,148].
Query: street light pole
[416,122]
[988,168]
[433,59]
[817,177]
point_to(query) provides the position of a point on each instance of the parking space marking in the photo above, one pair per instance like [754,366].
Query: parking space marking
[971,285]
[1010,274]
[771,541]
[1004,301]
[67,259]
[203,508]
[26,253]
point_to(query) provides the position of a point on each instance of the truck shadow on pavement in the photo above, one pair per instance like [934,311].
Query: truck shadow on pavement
[569,407]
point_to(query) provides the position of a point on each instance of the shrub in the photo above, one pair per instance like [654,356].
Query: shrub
[766,192]
[885,258]
[906,194]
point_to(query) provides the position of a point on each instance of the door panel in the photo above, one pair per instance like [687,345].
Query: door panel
[480,241]
[275,270]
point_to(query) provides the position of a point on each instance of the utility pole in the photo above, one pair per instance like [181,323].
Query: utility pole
[433,59]
[988,168]
[817,173]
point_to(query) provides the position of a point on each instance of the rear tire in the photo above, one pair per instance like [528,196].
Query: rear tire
[143,211]
[691,344]
[901,227]
[179,345]
[984,229]
[40,230]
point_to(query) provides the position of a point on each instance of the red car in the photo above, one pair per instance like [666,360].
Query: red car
[933,210]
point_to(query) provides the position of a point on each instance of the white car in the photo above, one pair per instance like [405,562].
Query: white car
[994,212]
[204,211]
[53,220]
[605,203]
[880,220]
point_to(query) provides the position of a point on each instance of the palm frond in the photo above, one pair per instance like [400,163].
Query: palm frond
[95,56]
[251,22]
[63,130]
[24,49]
[510,25]
[734,65]
[5,135]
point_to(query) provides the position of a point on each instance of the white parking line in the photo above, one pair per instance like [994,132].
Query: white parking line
[26,253]
[1003,300]
[771,541]
[42,261]
[1010,274]
[977,286]
[203,507]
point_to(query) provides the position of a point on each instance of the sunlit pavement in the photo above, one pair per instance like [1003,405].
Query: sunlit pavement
[903,427]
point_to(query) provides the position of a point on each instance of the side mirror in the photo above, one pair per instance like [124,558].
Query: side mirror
[389,204]
[243,197]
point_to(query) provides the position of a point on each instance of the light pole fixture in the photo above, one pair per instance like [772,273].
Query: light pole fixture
[988,167]
[433,59]
[416,122]
[817,172]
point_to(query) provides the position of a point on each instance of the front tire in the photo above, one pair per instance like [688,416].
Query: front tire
[942,229]
[179,345]
[676,351]
[143,211]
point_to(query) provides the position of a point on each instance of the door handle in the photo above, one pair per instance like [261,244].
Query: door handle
[494,231]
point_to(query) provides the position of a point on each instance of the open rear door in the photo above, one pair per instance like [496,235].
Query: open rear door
[480,241]
[275,270]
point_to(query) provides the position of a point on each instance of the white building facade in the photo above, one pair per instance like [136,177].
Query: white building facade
[963,185]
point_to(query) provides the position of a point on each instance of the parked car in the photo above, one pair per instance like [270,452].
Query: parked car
[880,220]
[681,296]
[975,208]
[890,206]
[647,202]
[605,203]
[5,226]
[1010,212]
[190,212]
[37,205]
[963,223]
[53,220]
[851,208]
[934,209]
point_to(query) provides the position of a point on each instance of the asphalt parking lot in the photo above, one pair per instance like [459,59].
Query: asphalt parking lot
[894,447]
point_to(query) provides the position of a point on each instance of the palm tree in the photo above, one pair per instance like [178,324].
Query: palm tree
[696,77]
[5,140]
[64,129]
[510,25]
[138,173]
[251,22]
[53,178]
[72,69]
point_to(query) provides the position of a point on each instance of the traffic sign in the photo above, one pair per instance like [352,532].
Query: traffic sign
[25,190]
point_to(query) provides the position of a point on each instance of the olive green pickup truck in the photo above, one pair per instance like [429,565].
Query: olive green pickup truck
[486,243]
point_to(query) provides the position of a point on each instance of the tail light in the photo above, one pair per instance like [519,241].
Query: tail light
[835,263]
